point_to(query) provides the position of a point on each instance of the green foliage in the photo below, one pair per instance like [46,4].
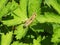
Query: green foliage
[44,29]
[5,10]
[17,43]
[49,17]
[20,32]
[56,35]
[54,4]
[34,7]
[6,39]
[18,14]
[37,42]
[2,3]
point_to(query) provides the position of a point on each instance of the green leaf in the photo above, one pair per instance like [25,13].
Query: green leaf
[17,43]
[37,41]
[5,10]
[54,4]
[34,6]
[2,3]
[6,39]
[56,35]
[20,15]
[36,26]
[14,5]
[11,6]
[48,17]
[23,5]
[20,32]
[12,22]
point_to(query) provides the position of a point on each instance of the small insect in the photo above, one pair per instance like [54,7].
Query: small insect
[30,20]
